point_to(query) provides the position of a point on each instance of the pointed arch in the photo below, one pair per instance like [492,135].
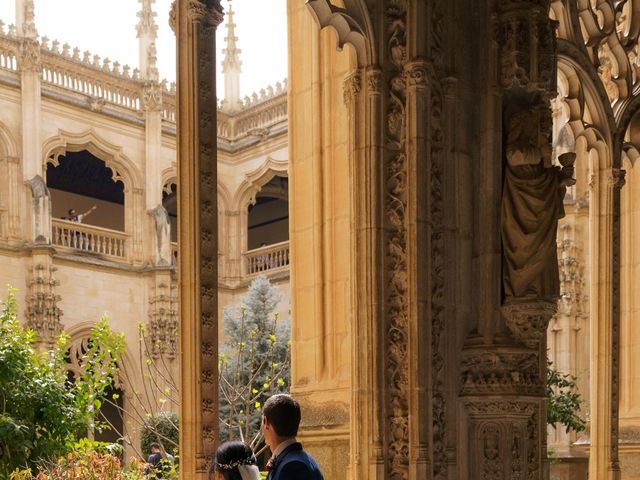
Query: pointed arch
[255,180]
[8,145]
[123,168]
[352,24]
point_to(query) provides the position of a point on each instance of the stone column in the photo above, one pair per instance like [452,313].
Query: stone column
[604,218]
[195,24]
[504,358]
[30,71]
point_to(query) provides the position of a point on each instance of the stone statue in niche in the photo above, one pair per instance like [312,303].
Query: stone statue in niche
[163,235]
[41,210]
[532,203]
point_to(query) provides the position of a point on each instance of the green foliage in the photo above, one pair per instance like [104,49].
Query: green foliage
[162,428]
[86,461]
[41,415]
[254,362]
[563,401]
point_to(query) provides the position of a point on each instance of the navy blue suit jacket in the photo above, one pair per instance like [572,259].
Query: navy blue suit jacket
[295,464]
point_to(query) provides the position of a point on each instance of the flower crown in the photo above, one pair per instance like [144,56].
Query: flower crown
[230,466]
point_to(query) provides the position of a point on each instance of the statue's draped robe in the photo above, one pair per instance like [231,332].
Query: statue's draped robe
[531,206]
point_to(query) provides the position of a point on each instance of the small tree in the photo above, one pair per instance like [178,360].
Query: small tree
[563,401]
[254,362]
[41,414]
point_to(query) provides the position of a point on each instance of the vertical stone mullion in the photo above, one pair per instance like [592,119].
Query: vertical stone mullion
[196,22]
[603,461]
[419,238]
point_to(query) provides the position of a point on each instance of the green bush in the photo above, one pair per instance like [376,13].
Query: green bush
[163,428]
[563,401]
[41,414]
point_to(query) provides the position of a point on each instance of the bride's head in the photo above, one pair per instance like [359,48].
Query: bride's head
[235,461]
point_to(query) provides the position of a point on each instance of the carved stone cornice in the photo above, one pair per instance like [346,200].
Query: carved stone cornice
[501,371]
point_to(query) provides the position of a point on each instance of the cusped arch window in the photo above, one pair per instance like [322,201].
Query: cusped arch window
[268,217]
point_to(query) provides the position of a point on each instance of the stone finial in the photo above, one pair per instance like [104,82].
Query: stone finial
[231,65]
[152,73]
[26,19]
[146,23]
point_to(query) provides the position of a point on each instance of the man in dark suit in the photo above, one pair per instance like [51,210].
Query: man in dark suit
[289,461]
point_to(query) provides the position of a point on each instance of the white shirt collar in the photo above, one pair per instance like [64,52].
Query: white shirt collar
[281,447]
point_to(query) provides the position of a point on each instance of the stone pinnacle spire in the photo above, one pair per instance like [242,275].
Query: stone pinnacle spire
[147,34]
[25,19]
[231,66]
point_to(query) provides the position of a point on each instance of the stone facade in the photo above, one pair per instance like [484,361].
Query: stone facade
[57,102]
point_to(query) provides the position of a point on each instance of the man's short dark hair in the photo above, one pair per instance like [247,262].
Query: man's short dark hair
[154,445]
[282,411]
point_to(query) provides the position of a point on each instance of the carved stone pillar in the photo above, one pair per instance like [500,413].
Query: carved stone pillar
[195,23]
[503,363]
[162,327]
[605,322]
[42,312]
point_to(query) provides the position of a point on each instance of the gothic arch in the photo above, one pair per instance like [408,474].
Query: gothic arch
[255,180]
[352,25]
[112,155]
[8,145]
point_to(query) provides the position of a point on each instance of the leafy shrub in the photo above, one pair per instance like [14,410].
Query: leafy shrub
[163,428]
[42,415]
[563,401]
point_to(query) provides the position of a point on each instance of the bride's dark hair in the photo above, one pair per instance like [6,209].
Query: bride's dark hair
[229,456]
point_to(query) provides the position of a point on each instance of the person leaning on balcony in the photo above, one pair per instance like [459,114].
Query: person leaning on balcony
[74,217]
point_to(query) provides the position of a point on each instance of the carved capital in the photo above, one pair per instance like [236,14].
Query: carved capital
[351,87]
[374,81]
[152,97]
[418,73]
[616,178]
[29,58]
[528,320]
[210,16]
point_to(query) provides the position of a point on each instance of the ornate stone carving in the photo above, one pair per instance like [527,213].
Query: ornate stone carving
[351,87]
[163,320]
[147,22]
[29,58]
[492,466]
[527,46]
[42,312]
[528,320]
[511,371]
[395,208]
[152,97]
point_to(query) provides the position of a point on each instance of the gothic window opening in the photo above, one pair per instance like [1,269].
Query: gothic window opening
[80,181]
[268,221]
[170,204]
[87,204]
[111,413]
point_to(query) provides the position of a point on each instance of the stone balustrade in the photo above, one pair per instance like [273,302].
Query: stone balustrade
[267,259]
[89,238]
[105,82]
